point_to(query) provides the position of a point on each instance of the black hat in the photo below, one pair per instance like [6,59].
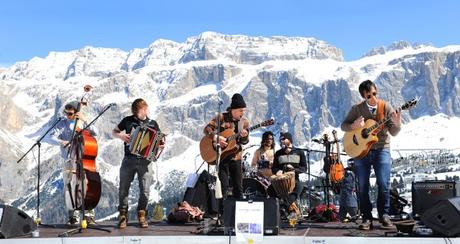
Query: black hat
[237,101]
[286,135]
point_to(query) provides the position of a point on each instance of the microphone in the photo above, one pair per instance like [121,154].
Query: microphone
[283,145]
[317,141]
[111,105]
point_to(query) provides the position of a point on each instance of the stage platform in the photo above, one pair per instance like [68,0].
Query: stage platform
[311,233]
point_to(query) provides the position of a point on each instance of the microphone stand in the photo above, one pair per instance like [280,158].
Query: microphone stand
[308,150]
[38,220]
[79,153]
[218,152]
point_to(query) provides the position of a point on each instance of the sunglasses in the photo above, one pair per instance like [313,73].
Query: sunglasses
[370,95]
[69,113]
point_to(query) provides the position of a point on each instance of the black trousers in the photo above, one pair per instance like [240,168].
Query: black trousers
[230,168]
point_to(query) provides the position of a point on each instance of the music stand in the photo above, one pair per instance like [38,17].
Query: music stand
[78,137]
[38,220]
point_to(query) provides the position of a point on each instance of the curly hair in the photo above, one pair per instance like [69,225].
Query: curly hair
[265,136]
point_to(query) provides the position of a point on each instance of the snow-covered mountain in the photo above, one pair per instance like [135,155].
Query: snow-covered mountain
[303,83]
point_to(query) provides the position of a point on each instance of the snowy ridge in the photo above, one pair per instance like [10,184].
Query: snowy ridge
[302,82]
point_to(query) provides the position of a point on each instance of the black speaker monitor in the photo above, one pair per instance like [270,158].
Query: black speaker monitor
[444,217]
[14,222]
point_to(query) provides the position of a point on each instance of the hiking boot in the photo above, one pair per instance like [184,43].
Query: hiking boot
[73,221]
[90,220]
[142,221]
[366,225]
[123,219]
[386,222]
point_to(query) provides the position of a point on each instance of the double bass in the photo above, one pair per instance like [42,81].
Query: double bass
[84,187]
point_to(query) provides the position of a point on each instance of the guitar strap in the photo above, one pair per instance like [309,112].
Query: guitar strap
[380,112]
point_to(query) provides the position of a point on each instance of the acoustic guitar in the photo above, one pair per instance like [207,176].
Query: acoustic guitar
[208,148]
[358,142]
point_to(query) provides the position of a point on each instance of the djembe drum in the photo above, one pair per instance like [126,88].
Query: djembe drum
[283,184]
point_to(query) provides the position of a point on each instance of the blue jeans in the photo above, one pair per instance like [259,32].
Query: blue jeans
[380,160]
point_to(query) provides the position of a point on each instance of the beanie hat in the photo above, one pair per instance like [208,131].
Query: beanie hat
[286,135]
[237,101]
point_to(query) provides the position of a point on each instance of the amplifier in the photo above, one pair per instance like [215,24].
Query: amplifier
[271,216]
[425,194]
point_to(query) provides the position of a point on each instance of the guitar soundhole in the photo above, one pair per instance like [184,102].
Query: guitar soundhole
[355,140]
[364,134]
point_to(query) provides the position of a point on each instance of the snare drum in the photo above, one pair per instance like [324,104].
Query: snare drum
[145,142]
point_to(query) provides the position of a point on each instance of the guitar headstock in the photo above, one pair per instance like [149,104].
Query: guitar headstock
[410,104]
[334,133]
[268,122]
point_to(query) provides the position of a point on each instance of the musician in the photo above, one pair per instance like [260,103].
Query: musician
[133,164]
[378,157]
[288,159]
[348,199]
[230,167]
[60,136]
[266,152]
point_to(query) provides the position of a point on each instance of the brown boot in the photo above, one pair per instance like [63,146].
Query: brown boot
[122,219]
[142,222]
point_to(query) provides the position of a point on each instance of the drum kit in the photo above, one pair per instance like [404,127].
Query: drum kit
[259,181]
[255,183]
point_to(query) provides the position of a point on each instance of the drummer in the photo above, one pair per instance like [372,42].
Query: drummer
[262,161]
[289,159]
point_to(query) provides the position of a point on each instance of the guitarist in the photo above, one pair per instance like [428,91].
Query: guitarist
[230,167]
[379,155]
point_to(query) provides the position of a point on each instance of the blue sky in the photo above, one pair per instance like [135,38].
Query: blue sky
[34,28]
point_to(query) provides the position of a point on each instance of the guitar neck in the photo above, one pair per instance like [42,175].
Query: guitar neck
[378,124]
[334,133]
[234,136]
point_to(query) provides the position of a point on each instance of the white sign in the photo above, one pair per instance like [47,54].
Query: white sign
[249,221]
